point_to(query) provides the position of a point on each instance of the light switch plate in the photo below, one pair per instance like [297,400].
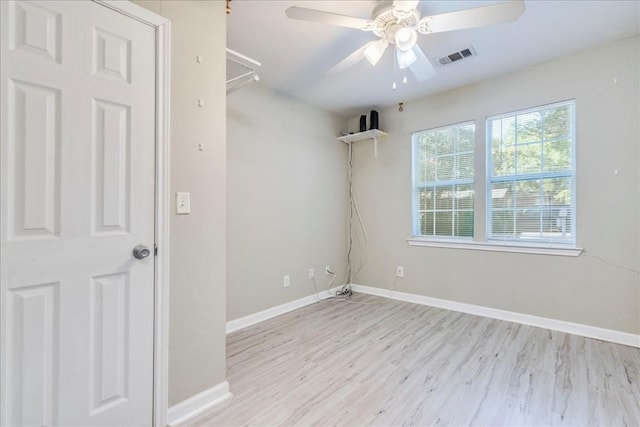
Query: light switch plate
[183,203]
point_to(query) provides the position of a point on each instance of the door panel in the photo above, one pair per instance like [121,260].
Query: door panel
[35,29]
[111,146]
[77,172]
[32,325]
[109,371]
[34,160]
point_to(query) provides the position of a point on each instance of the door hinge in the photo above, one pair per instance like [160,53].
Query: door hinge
[155,250]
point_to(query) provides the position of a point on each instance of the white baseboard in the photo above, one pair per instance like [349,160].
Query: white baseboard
[198,404]
[261,316]
[610,335]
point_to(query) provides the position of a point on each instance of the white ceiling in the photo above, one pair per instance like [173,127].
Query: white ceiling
[296,55]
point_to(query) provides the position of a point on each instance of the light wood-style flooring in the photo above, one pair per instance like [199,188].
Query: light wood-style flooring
[376,361]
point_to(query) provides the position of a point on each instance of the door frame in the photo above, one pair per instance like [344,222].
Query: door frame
[162,28]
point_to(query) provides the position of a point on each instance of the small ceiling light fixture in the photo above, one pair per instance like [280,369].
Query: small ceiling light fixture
[405,38]
[374,51]
[405,58]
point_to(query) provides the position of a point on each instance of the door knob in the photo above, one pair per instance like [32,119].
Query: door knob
[141,252]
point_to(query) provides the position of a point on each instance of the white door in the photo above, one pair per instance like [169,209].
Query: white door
[77,147]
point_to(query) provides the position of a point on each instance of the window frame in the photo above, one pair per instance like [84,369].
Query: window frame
[481,240]
[490,179]
[415,187]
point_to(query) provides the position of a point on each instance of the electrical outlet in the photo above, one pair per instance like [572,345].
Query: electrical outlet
[286,281]
[399,271]
[312,273]
[327,270]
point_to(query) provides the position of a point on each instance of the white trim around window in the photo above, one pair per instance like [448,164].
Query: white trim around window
[495,247]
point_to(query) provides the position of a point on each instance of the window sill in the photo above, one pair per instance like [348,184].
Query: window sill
[495,247]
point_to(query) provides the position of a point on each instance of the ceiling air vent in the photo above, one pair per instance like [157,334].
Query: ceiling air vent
[457,56]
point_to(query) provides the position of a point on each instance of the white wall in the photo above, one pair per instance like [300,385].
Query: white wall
[602,286]
[198,241]
[287,198]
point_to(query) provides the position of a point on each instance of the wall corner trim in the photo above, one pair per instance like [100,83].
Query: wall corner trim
[261,316]
[587,331]
[198,404]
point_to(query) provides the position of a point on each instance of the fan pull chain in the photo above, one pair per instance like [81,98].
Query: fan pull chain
[228,9]
[394,74]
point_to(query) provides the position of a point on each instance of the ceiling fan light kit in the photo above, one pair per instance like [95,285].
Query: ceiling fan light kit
[373,52]
[405,38]
[406,59]
[399,22]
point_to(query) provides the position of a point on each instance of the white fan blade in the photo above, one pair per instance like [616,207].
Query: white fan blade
[304,14]
[472,18]
[422,67]
[350,60]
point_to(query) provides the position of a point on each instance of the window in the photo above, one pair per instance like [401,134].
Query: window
[530,183]
[443,181]
[531,175]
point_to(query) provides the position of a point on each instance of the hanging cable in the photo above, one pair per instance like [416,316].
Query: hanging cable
[364,250]
[345,290]
[363,243]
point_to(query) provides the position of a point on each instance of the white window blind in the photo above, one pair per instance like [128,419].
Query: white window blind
[443,181]
[531,175]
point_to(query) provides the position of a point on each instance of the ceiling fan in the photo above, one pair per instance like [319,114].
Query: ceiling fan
[399,22]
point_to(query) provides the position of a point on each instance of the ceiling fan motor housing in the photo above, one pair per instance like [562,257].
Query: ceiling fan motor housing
[386,23]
